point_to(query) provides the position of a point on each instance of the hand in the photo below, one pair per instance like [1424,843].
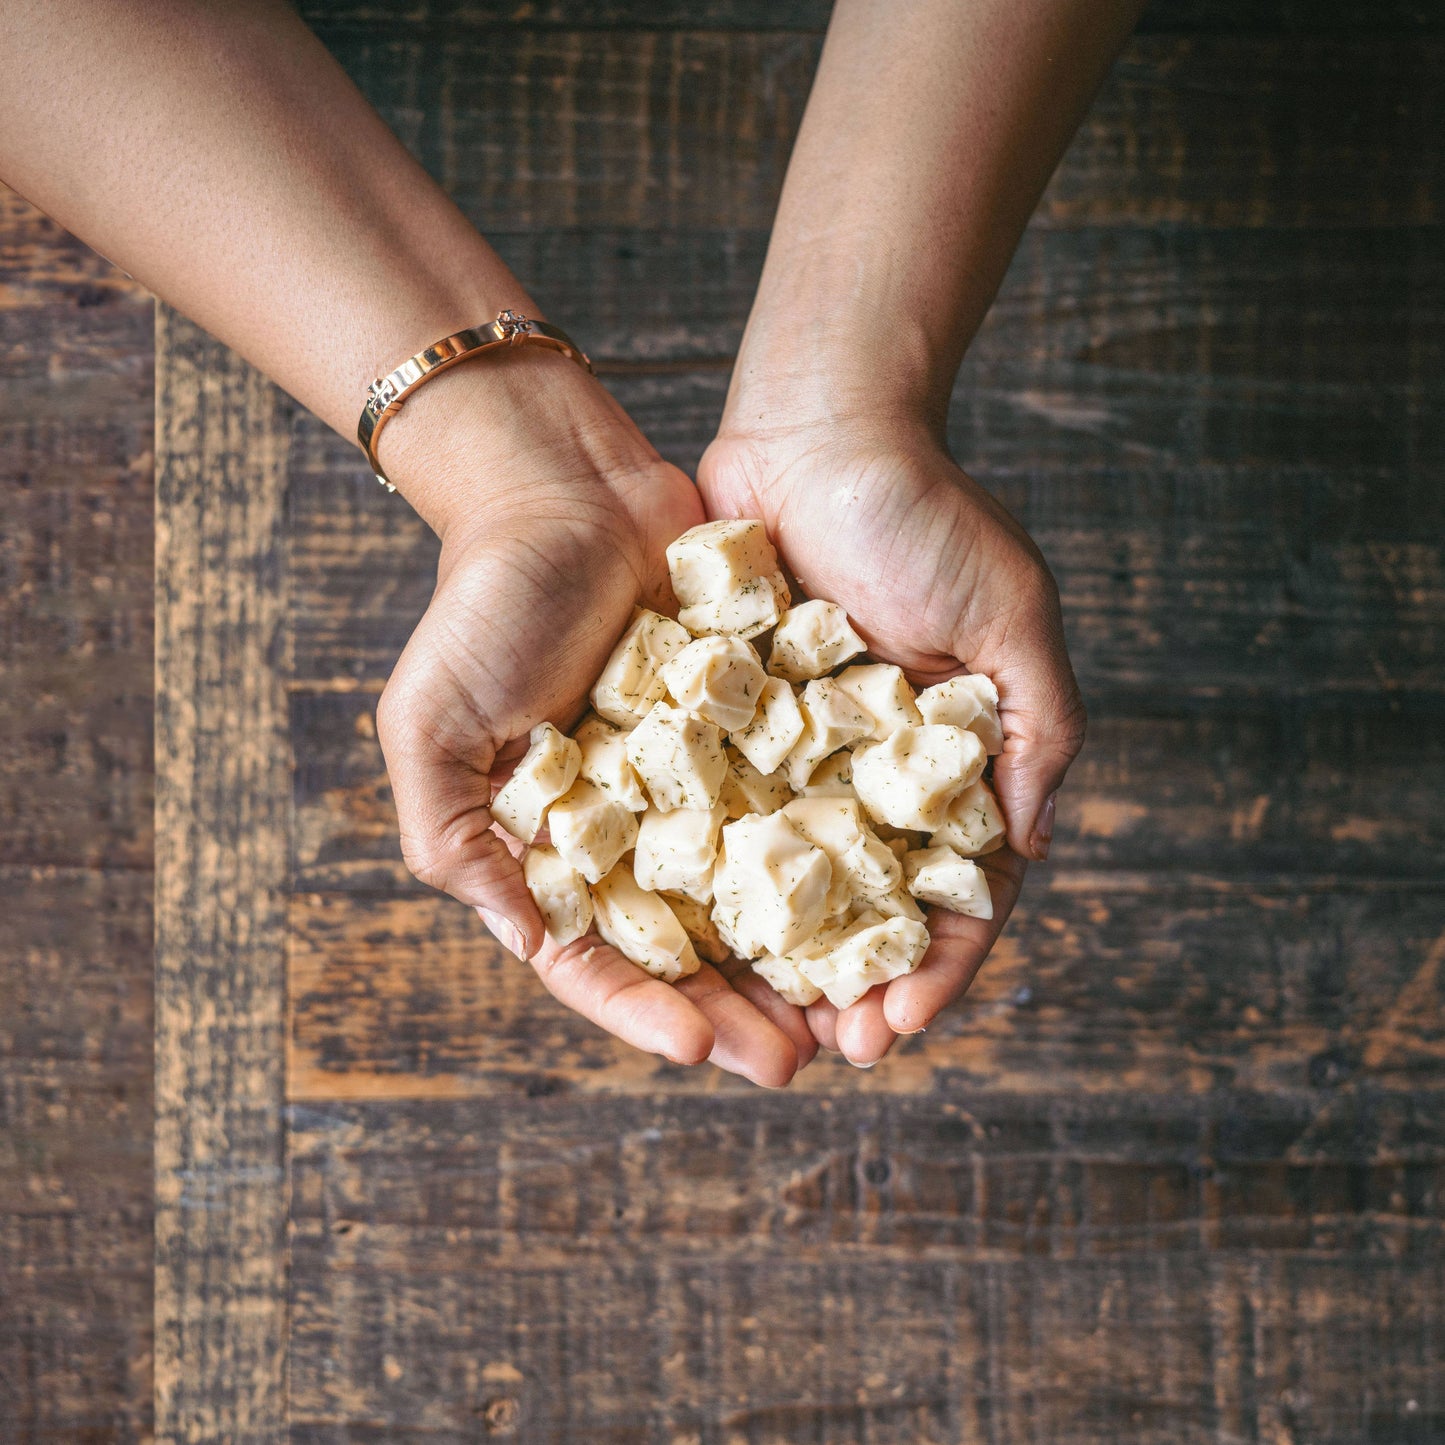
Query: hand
[939,579]
[537,579]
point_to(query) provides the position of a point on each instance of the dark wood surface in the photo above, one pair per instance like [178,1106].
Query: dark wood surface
[75,840]
[1176,1170]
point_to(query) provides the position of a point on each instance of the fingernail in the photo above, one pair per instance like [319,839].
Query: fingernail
[859,1064]
[506,933]
[1044,828]
[908,1033]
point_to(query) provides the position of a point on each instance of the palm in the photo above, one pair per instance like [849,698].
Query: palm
[929,567]
[523,618]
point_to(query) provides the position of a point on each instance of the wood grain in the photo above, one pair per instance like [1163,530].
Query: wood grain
[75,1157]
[222,782]
[538,129]
[654,1347]
[75,840]
[1236,795]
[1103,982]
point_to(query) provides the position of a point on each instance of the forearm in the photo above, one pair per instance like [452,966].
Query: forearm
[930,133]
[219,154]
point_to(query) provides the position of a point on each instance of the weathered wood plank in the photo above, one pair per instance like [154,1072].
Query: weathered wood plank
[1164,614]
[75,552]
[422,17]
[75,831]
[75,1161]
[1235,795]
[435,1344]
[546,128]
[222,782]
[1149,984]
[1041,1175]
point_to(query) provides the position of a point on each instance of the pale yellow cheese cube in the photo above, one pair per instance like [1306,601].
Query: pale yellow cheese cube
[863,866]
[896,903]
[775,728]
[745,790]
[718,678]
[882,691]
[560,893]
[966,702]
[831,720]
[873,950]
[770,885]
[544,774]
[812,638]
[591,829]
[973,824]
[642,927]
[604,762]
[946,880]
[630,684]
[909,779]
[787,979]
[696,919]
[726,577]
[676,850]
[832,778]
[678,756]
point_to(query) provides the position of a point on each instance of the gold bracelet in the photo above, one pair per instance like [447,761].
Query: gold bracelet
[385,396]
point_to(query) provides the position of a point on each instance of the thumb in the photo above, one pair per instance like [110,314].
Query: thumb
[1041,710]
[440,779]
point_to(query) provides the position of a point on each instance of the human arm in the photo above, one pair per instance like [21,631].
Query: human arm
[219,155]
[928,137]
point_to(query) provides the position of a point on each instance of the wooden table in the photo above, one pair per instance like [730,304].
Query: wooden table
[1176,1171]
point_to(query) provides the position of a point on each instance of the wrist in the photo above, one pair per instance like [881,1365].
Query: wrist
[836,342]
[506,430]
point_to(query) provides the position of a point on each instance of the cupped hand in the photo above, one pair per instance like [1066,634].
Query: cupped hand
[536,583]
[939,579]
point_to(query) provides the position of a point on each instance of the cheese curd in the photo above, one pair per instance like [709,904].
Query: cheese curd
[832,778]
[831,720]
[872,950]
[604,762]
[941,877]
[966,702]
[544,774]
[591,829]
[863,866]
[745,790]
[641,926]
[770,885]
[882,691]
[973,824]
[678,756]
[675,851]
[696,919]
[630,684]
[909,779]
[719,678]
[795,815]
[776,726]
[811,639]
[726,578]
[560,893]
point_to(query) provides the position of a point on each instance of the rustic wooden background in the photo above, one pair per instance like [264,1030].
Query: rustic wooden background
[1176,1172]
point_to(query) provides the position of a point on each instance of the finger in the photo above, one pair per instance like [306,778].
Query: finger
[597,982]
[864,1034]
[443,815]
[745,1041]
[823,1020]
[1041,710]
[956,953]
[788,1017]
